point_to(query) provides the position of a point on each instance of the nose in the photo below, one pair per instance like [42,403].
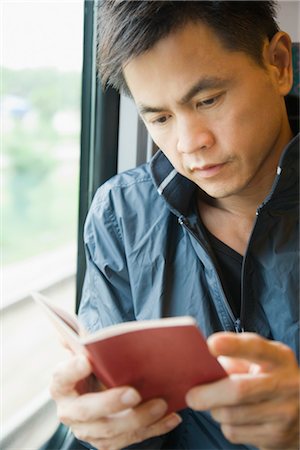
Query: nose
[193,134]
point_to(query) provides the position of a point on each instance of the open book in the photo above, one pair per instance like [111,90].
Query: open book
[161,358]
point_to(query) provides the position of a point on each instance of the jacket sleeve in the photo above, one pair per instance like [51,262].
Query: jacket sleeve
[106,297]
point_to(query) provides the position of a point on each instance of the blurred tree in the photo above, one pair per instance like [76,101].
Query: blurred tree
[40,203]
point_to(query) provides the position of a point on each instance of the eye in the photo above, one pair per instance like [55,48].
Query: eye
[206,103]
[160,120]
[209,101]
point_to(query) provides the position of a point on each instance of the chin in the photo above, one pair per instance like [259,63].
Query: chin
[219,193]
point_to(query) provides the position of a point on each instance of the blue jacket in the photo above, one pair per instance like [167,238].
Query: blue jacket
[147,257]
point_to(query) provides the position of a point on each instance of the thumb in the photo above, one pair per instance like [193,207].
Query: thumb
[234,365]
[66,376]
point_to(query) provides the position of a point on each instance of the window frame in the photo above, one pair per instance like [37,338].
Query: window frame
[99,134]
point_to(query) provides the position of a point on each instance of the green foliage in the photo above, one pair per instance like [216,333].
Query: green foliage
[46,89]
[29,154]
[40,185]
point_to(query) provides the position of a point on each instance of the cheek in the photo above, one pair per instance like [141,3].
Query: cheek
[257,130]
[173,156]
[166,141]
[255,111]
[240,128]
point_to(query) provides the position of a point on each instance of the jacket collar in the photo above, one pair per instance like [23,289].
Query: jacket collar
[178,191]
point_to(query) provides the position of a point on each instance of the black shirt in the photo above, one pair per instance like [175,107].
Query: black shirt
[230,271]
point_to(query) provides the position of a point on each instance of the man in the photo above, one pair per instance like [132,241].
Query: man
[209,228]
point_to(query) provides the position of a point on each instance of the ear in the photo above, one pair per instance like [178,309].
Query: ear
[279,57]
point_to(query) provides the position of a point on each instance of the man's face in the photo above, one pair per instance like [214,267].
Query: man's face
[216,114]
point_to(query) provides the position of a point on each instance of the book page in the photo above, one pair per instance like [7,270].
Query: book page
[66,324]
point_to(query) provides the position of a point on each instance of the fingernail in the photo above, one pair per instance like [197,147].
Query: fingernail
[173,421]
[130,397]
[190,400]
[158,408]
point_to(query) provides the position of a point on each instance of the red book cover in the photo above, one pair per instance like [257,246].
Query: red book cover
[161,358]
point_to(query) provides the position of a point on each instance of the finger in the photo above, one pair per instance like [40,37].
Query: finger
[235,389]
[124,422]
[239,389]
[234,365]
[94,406]
[162,427]
[251,347]
[281,411]
[67,375]
[255,435]
[265,435]
[134,436]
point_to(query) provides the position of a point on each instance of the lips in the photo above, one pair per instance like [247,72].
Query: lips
[208,166]
[195,166]
[207,171]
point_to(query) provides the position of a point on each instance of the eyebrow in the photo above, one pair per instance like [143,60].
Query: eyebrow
[201,85]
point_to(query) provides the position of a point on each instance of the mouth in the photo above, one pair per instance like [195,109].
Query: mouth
[208,170]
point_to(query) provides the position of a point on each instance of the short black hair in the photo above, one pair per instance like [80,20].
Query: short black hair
[128,28]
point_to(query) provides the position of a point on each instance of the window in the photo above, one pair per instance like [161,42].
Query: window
[44,123]
[41,71]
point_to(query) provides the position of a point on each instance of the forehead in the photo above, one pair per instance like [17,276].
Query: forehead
[175,62]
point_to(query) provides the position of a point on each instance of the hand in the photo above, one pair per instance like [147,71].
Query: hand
[258,403]
[107,419]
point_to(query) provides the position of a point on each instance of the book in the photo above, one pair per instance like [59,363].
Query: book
[161,358]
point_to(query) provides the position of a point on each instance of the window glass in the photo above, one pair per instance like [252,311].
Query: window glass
[41,68]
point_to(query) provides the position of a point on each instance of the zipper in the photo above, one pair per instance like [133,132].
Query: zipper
[258,211]
[237,322]
[238,326]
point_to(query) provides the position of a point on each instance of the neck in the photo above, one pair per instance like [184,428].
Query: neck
[245,204]
[237,211]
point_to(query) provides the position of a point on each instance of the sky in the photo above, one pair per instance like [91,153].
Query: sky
[49,33]
[41,33]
